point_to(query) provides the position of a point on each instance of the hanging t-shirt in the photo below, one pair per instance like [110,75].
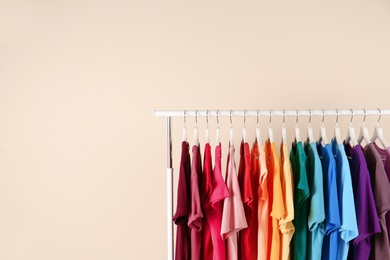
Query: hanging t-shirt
[214,213]
[286,223]
[381,189]
[262,242]
[332,214]
[195,220]
[385,155]
[205,191]
[233,216]
[255,187]
[348,229]
[316,216]
[301,196]
[244,180]
[183,206]
[275,200]
[366,214]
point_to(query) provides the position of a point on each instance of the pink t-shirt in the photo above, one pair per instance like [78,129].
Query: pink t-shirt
[233,216]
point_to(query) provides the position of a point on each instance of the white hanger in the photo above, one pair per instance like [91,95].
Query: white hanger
[185,127]
[351,137]
[258,135]
[363,134]
[284,132]
[378,133]
[217,131]
[231,129]
[270,131]
[207,128]
[244,129]
[196,135]
[323,139]
[297,131]
[337,134]
[310,130]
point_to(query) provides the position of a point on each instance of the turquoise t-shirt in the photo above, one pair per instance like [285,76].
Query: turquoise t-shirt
[316,217]
[348,229]
[301,206]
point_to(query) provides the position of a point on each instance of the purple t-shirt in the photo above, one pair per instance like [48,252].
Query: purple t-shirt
[195,219]
[381,189]
[183,206]
[366,213]
[385,156]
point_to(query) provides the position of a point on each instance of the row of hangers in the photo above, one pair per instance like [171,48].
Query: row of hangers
[350,138]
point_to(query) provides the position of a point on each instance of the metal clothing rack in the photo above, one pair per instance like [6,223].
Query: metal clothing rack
[184,113]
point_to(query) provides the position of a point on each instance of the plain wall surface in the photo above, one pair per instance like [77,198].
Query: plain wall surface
[82,159]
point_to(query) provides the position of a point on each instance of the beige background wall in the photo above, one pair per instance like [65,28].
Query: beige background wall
[82,159]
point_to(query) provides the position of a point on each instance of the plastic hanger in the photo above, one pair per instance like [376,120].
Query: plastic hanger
[378,133]
[231,129]
[323,139]
[337,134]
[207,128]
[258,135]
[351,137]
[297,131]
[185,127]
[270,130]
[218,131]
[363,134]
[196,135]
[310,135]
[244,128]
[284,132]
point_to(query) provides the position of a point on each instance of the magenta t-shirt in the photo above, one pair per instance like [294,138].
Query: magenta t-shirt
[366,213]
[195,219]
[183,206]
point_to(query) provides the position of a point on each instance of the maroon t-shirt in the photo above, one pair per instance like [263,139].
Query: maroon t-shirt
[195,219]
[381,189]
[183,206]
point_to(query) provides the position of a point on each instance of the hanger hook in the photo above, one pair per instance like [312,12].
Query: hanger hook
[207,117]
[231,122]
[337,117]
[296,119]
[218,117]
[323,117]
[350,122]
[244,117]
[380,115]
[257,118]
[185,117]
[284,117]
[310,117]
[270,114]
[365,114]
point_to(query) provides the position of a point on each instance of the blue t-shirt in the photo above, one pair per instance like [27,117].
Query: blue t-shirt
[348,229]
[332,215]
[317,208]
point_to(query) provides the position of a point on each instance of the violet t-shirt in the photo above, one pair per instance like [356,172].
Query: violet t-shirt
[381,189]
[183,206]
[366,214]
[195,220]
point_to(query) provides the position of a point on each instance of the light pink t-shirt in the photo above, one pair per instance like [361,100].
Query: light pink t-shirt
[233,216]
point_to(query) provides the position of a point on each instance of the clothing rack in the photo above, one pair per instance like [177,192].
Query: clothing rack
[184,113]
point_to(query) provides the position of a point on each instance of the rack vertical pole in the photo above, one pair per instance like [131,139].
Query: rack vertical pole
[169,191]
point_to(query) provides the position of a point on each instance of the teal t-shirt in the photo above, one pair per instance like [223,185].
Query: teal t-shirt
[301,206]
[316,217]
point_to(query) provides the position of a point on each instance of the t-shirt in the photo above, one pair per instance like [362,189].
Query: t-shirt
[195,220]
[275,198]
[332,214]
[301,195]
[213,212]
[244,180]
[255,187]
[366,214]
[381,189]
[233,216]
[183,206]
[348,229]
[286,223]
[205,191]
[316,202]
[262,242]
[385,155]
